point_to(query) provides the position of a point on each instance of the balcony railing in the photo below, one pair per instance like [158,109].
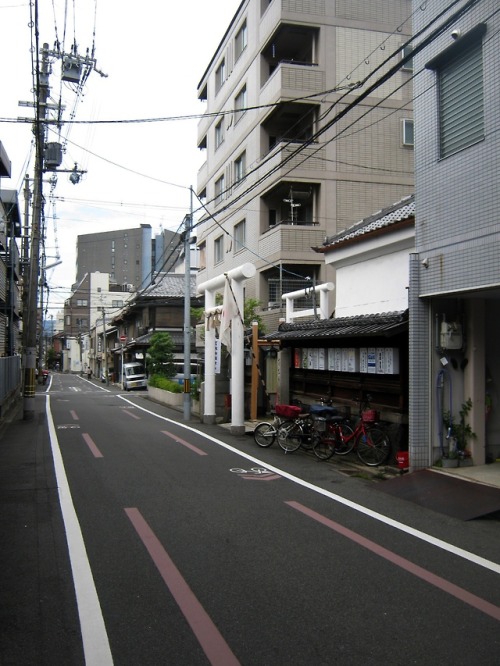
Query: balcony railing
[293,80]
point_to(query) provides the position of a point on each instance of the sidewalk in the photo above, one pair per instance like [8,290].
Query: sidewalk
[38,617]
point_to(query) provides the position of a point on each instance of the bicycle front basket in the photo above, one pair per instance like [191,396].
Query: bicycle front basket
[370,416]
[319,423]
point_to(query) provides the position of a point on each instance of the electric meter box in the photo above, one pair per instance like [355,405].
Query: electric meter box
[451,335]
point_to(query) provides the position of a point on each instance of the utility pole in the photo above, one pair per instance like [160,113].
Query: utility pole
[188,220]
[105,346]
[34,267]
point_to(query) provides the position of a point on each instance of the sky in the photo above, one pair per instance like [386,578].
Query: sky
[153,54]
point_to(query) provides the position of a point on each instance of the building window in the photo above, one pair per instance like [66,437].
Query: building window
[117,304]
[240,167]
[220,76]
[203,255]
[460,88]
[240,41]
[408,65]
[219,189]
[407,132]
[240,104]
[218,249]
[239,236]
[219,133]
[82,302]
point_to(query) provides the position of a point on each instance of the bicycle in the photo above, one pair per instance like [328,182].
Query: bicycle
[335,435]
[290,425]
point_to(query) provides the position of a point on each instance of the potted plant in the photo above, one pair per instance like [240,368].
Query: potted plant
[459,436]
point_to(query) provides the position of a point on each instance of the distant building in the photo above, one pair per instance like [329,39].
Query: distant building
[128,256]
[92,296]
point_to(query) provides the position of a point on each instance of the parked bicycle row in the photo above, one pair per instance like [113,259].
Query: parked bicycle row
[322,429]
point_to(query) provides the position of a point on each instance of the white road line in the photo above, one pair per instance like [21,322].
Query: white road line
[94,636]
[439,543]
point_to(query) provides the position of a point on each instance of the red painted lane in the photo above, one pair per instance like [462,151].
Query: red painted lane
[129,413]
[213,644]
[184,443]
[74,415]
[90,443]
[444,585]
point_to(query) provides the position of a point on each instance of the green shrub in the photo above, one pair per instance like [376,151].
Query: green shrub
[158,381]
[161,355]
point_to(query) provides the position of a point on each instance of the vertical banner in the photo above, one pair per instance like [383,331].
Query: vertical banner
[217,355]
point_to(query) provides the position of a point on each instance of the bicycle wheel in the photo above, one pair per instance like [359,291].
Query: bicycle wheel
[323,446]
[264,434]
[290,436]
[345,440]
[307,435]
[373,447]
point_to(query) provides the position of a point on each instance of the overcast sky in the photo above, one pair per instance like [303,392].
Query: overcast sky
[154,53]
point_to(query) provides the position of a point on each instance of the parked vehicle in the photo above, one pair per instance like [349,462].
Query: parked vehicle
[133,376]
[334,435]
[291,425]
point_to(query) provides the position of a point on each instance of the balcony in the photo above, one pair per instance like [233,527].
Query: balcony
[203,127]
[293,241]
[292,10]
[292,80]
[307,161]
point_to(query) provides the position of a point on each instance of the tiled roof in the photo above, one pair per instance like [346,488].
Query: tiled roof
[169,285]
[402,210]
[384,324]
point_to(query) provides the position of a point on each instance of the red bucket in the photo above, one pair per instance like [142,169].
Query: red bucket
[402,459]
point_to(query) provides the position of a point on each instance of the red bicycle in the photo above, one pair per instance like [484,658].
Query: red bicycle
[336,436]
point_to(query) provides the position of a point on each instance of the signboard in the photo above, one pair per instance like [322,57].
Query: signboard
[123,338]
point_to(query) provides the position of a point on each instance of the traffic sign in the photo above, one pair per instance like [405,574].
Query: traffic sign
[123,338]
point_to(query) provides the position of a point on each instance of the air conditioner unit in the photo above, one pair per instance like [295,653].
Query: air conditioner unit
[273,304]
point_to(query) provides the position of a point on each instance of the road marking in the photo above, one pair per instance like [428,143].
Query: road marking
[213,644]
[188,445]
[255,474]
[129,413]
[402,527]
[441,583]
[74,415]
[94,637]
[90,443]
[68,426]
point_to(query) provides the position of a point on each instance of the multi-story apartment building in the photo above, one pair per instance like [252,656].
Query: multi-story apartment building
[455,272]
[297,146]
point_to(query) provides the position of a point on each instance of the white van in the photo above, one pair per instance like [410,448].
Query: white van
[133,376]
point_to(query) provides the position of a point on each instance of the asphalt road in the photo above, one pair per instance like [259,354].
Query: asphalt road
[199,547]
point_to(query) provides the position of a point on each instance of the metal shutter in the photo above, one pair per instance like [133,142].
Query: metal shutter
[461,102]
